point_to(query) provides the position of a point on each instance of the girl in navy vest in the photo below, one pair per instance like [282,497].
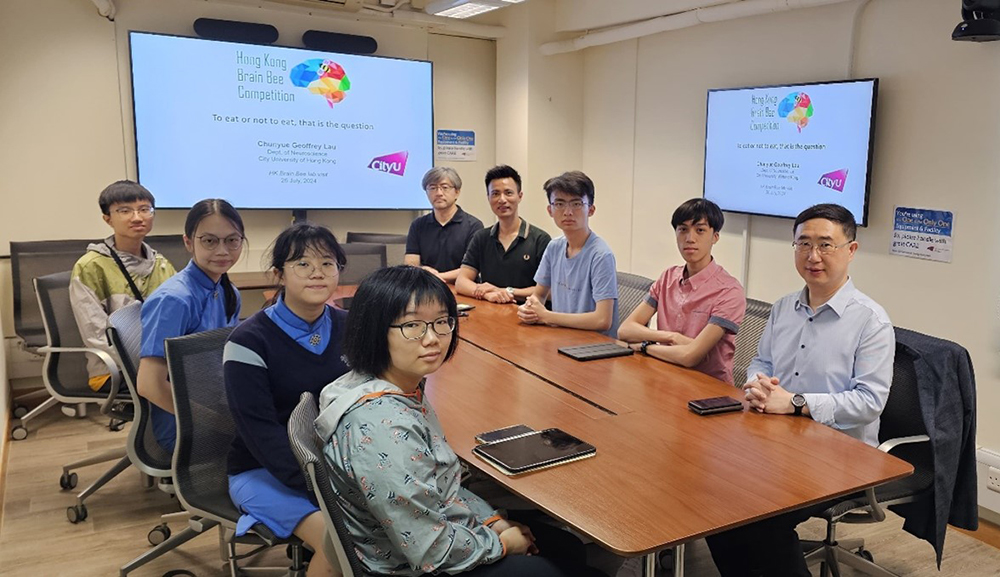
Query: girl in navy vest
[290,347]
[198,298]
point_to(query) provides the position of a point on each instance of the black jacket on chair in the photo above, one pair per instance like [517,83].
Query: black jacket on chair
[947,389]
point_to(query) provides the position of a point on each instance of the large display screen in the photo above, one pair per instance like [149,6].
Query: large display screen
[275,127]
[777,150]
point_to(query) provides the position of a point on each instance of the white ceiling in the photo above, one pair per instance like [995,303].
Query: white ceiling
[579,15]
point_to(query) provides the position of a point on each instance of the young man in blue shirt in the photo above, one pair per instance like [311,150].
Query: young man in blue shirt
[825,354]
[578,269]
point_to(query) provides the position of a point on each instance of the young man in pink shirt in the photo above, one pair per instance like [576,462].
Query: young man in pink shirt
[698,306]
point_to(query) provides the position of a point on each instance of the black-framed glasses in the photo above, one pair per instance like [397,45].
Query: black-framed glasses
[305,269]
[211,242]
[415,330]
[127,211]
[806,247]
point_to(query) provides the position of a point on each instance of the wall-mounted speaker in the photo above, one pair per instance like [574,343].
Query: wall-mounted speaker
[336,42]
[235,31]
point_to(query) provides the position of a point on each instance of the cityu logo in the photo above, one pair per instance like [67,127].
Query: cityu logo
[835,180]
[392,163]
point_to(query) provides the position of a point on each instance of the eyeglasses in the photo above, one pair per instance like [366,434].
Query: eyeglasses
[806,247]
[128,211]
[508,194]
[574,205]
[305,269]
[211,242]
[441,187]
[415,330]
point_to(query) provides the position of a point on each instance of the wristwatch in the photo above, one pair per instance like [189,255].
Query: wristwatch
[510,290]
[645,345]
[798,401]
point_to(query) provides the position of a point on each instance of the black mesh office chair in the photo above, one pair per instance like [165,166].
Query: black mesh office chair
[632,291]
[363,258]
[205,431]
[395,244]
[902,433]
[64,370]
[29,260]
[307,447]
[748,337]
[144,452]
[170,246]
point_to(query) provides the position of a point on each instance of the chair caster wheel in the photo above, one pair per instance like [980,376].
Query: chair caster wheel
[19,433]
[68,410]
[20,411]
[115,425]
[76,513]
[68,481]
[866,555]
[158,534]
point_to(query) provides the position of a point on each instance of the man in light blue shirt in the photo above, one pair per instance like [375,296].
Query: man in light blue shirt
[826,354]
[577,269]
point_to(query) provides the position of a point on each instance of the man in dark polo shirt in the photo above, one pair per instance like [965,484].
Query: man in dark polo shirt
[437,241]
[501,261]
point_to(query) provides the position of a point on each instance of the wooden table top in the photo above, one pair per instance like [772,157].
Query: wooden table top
[662,475]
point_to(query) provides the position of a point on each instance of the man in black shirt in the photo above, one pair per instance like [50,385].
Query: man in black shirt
[437,241]
[501,261]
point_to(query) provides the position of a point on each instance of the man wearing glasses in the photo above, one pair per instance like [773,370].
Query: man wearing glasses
[437,241]
[825,354]
[578,268]
[99,284]
[500,263]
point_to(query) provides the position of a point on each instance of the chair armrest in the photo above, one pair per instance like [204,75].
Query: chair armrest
[891,444]
[109,363]
[875,511]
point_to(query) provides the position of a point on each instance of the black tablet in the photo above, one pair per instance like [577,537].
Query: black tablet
[533,451]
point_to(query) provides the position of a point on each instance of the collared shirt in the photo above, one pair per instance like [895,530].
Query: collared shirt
[838,356]
[313,337]
[688,305]
[514,266]
[442,246]
[577,284]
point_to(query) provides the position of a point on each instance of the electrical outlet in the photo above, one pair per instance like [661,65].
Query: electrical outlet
[993,482]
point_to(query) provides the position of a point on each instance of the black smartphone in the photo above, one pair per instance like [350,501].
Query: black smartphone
[715,405]
[504,433]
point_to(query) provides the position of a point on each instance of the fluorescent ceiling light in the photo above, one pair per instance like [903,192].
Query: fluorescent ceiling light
[465,8]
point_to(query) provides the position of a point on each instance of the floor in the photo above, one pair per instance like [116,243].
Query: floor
[37,539]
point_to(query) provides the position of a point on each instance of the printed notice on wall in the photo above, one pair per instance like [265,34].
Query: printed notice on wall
[922,233]
[455,145]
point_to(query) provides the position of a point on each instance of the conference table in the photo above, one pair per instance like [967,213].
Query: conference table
[663,476]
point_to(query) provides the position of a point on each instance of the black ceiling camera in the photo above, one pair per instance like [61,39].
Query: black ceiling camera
[980,21]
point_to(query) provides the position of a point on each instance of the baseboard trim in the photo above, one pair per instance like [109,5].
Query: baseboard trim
[4,454]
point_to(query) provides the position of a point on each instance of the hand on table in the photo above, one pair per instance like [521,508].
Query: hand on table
[532,311]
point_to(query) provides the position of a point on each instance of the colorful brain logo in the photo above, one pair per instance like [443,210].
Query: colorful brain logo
[797,108]
[323,77]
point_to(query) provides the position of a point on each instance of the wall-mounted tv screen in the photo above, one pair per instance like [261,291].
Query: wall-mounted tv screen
[776,150]
[275,127]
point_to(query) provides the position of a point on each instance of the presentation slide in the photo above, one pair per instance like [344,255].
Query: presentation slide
[272,127]
[778,150]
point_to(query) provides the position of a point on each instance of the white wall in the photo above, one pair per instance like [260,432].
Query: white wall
[67,121]
[937,141]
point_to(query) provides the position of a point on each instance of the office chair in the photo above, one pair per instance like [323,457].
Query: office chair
[144,452]
[748,337]
[205,432]
[395,244]
[901,432]
[363,258]
[29,260]
[172,247]
[632,291]
[64,370]
[307,447]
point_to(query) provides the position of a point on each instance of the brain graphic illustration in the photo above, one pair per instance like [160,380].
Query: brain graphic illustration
[323,77]
[797,108]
